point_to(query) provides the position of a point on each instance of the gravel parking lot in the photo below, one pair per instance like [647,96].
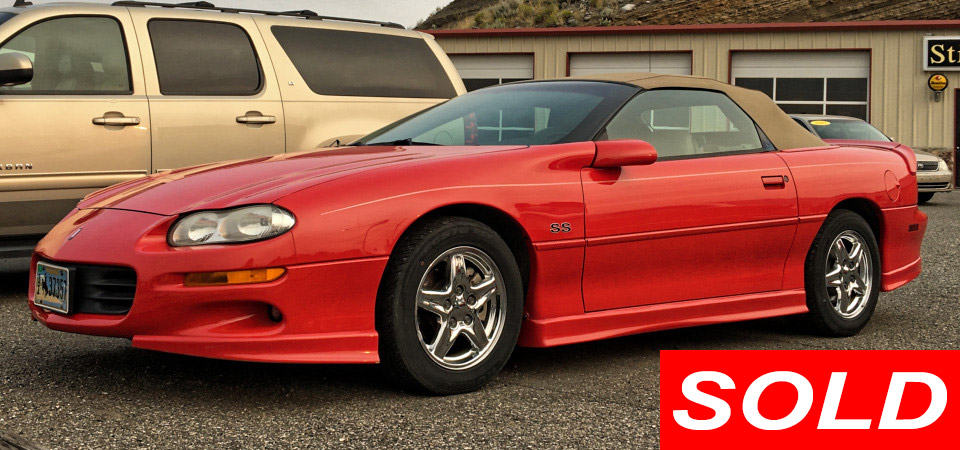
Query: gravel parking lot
[68,391]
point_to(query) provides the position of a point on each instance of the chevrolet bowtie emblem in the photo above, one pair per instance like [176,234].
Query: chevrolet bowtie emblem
[75,233]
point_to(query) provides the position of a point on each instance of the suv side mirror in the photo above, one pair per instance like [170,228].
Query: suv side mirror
[15,69]
[624,152]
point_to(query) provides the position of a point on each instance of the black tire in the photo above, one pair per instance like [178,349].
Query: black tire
[924,197]
[401,350]
[823,318]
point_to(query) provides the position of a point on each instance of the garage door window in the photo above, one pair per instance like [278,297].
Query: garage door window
[835,96]
[480,71]
[686,123]
[204,58]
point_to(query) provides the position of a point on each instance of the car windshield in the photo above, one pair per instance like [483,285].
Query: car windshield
[5,16]
[847,129]
[535,113]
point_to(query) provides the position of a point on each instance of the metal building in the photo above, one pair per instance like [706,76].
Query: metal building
[878,71]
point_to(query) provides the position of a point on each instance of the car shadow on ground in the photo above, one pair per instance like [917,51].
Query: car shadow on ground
[937,202]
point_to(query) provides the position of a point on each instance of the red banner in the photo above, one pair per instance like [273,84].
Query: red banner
[800,399]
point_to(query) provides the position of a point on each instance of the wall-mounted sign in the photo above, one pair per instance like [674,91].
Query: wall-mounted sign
[941,53]
[937,82]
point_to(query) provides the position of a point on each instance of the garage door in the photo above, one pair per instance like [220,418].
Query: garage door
[828,82]
[593,63]
[479,71]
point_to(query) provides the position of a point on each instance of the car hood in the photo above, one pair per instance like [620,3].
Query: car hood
[924,156]
[260,180]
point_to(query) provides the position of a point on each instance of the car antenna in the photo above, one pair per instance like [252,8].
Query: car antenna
[18,3]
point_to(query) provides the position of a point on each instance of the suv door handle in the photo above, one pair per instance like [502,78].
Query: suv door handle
[255,118]
[774,181]
[116,121]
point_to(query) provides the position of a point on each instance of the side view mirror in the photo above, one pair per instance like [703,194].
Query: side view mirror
[15,69]
[624,152]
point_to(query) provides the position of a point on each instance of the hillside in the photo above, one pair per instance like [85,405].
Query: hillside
[573,13]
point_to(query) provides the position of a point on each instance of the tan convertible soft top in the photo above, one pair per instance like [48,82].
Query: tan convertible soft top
[782,131]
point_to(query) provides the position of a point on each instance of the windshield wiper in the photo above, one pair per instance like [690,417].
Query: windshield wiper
[407,141]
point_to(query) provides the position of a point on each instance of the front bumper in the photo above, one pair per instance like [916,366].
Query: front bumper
[934,181]
[328,308]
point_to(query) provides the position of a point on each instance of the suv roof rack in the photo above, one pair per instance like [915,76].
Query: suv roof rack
[207,6]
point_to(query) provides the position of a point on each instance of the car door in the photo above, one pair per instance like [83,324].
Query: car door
[82,122]
[714,216]
[213,93]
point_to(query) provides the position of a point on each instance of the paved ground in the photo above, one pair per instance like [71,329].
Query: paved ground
[68,391]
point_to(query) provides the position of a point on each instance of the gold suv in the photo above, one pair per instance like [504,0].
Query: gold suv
[93,95]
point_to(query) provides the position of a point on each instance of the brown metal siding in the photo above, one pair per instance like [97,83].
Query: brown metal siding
[900,102]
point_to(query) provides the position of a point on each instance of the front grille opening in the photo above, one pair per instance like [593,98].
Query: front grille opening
[106,290]
[933,185]
[928,165]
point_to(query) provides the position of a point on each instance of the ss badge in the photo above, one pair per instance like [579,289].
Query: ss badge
[560,227]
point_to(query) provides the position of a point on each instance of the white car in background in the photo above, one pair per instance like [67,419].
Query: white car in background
[933,173]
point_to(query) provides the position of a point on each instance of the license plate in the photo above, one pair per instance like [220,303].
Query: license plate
[52,288]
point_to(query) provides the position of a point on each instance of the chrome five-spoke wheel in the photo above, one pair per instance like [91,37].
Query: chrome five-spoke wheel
[459,314]
[842,275]
[849,274]
[449,307]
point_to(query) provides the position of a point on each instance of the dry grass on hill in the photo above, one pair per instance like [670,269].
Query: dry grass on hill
[574,13]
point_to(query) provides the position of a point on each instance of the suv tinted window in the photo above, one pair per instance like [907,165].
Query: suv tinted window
[686,123]
[351,63]
[73,55]
[204,58]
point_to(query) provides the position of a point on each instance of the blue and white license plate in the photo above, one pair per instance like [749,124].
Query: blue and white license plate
[52,288]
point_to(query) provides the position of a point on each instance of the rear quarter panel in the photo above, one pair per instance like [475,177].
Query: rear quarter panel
[825,177]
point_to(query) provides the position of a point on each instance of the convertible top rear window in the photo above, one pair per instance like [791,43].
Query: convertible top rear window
[537,113]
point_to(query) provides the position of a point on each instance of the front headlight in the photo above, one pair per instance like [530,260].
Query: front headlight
[244,224]
[942,165]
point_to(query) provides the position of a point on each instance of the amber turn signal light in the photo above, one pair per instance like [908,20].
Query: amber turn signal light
[233,277]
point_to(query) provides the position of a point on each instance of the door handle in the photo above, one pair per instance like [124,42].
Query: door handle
[255,118]
[114,121]
[777,181]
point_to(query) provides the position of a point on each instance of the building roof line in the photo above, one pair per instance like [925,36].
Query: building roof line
[880,25]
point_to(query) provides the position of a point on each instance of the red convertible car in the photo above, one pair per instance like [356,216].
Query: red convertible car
[535,214]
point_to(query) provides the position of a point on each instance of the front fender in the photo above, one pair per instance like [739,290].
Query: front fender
[363,215]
